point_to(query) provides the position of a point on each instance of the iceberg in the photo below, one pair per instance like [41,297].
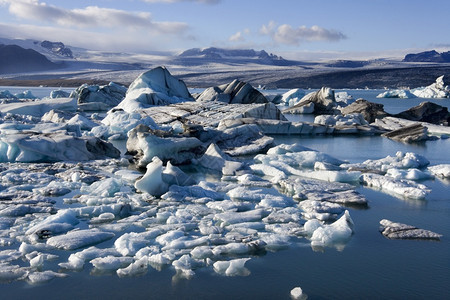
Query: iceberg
[39,107]
[442,170]
[154,87]
[292,97]
[435,90]
[152,181]
[403,94]
[236,92]
[335,234]
[111,94]
[235,267]
[79,238]
[400,188]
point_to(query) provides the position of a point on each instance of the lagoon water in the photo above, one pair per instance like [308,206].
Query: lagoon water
[368,267]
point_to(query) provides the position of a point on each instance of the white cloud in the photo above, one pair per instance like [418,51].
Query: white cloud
[90,17]
[286,34]
[239,36]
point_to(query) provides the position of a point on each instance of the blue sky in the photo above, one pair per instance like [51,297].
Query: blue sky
[298,29]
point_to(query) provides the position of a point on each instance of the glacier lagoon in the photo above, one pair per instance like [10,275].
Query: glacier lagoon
[369,266]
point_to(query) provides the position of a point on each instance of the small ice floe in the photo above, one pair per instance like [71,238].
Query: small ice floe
[152,182]
[77,260]
[234,267]
[12,272]
[139,267]
[146,144]
[111,263]
[118,123]
[401,160]
[400,188]
[44,276]
[79,238]
[111,94]
[393,230]
[39,107]
[442,170]
[435,90]
[410,174]
[336,234]
[340,120]
[214,159]
[297,294]
[292,97]
[400,93]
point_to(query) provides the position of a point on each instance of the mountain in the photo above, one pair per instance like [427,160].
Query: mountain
[57,48]
[15,59]
[196,56]
[428,56]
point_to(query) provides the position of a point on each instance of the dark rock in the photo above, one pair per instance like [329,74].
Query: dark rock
[57,48]
[427,112]
[236,92]
[409,134]
[393,230]
[369,110]
[111,94]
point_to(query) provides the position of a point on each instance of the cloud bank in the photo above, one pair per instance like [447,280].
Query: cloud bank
[90,17]
[288,35]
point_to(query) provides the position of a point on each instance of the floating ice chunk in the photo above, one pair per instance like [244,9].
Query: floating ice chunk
[321,210]
[83,122]
[45,276]
[297,294]
[39,107]
[202,252]
[411,174]
[185,244]
[344,98]
[139,267]
[435,90]
[110,262]
[235,267]
[129,243]
[79,238]
[292,97]
[264,169]
[400,188]
[401,160]
[76,260]
[336,233]
[394,230]
[159,259]
[333,176]
[403,94]
[303,159]
[118,122]
[275,241]
[340,120]
[185,264]
[174,175]
[442,170]
[61,222]
[215,159]
[37,261]
[59,94]
[241,217]
[231,248]
[128,175]
[12,272]
[105,188]
[287,148]
[152,182]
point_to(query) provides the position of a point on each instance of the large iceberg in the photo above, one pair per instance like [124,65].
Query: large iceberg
[154,87]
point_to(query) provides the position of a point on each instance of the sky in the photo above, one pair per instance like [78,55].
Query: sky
[295,29]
